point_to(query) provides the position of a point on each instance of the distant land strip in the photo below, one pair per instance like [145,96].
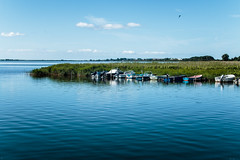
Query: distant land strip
[225,57]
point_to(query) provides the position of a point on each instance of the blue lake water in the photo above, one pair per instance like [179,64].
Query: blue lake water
[42,118]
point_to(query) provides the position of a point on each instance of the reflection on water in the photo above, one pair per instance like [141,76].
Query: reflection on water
[116,82]
[225,85]
[47,118]
[129,81]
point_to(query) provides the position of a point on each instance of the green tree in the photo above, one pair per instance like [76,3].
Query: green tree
[225,57]
[239,58]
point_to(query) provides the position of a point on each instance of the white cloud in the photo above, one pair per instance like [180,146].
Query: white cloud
[84,25]
[101,23]
[88,50]
[19,50]
[113,26]
[96,20]
[128,52]
[95,51]
[154,52]
[11,34]
[235,15]
[133,25]
[69,51]
[85,50]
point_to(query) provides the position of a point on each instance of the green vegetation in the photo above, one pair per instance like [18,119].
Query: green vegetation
[225,57]
[209,69]
[200,58]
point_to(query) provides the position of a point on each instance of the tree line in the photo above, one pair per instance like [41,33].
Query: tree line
[225,57]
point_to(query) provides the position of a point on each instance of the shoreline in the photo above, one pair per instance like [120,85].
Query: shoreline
[209,69]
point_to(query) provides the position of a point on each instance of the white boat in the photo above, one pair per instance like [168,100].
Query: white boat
[150,75]
[153,77]
[130,74]
[225,78]
[120,76]
[96,75]
[113,72]
[146,76]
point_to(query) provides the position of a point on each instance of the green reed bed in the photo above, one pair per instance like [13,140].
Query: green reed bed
[209,69]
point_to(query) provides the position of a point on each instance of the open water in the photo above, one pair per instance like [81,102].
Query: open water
[42,118]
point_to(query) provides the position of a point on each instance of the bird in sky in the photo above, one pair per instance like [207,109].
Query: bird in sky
[179,15]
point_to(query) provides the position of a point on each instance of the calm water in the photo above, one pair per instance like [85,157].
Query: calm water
[53,119]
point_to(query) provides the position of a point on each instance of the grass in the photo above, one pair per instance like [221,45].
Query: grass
[209,69]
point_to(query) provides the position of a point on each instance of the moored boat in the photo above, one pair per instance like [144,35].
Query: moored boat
[98,75]
[193,78]
[225,78]
[151,75]
[161,78]
[130,74]
[175,79]
[146,76]
[120,76]
[113,72]
[139,77]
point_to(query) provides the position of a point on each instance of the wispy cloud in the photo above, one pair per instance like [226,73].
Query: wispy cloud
[96,20]
[84,25]
[235,16]
[11,34]
[128,52]
[85,50]
[112,26]
[133,24]
[101,23]
[69,51]
[88,50]
[19,50]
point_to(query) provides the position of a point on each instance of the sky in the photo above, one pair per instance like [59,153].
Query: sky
[101,29]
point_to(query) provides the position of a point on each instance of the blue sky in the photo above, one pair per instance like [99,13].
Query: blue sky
[99,29]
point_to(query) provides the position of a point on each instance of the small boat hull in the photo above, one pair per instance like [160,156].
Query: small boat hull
[225,78]
[120,76]
[153,77]
[147,75]
[139,78]
[175,79]
[130,74]
[193,78]
[161,78]
[146,78]
[98,75]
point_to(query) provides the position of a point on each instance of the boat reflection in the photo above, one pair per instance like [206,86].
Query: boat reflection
[224,85]
[115,82]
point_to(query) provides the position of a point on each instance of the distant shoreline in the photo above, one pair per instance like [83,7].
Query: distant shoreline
[196,58]
[37,60]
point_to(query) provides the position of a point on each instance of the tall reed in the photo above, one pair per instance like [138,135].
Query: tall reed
[208,69]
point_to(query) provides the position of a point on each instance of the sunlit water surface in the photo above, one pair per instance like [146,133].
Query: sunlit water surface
[55,119]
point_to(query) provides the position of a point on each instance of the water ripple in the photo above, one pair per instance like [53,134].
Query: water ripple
[46,119]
